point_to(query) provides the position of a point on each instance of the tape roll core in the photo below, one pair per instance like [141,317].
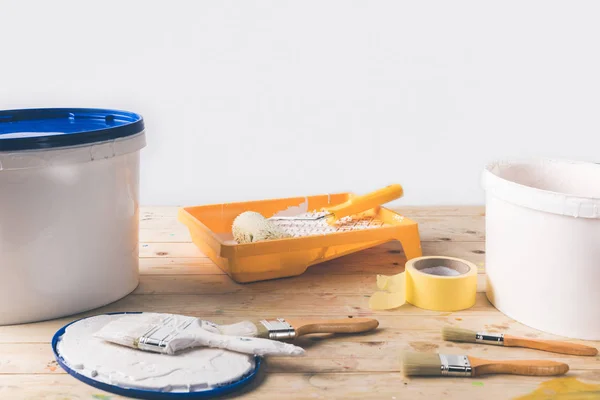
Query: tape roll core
[432,262]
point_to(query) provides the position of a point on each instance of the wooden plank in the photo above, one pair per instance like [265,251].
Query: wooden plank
[178,266]
[177,277]
[483,316]
[322,355]
[434,211]
[457,229]
[432,227]
[387,253]
[243,304]
[307,386]
[339,284]
[169,250]
[425,332]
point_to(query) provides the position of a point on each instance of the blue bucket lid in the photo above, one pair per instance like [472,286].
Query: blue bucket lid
[48,128]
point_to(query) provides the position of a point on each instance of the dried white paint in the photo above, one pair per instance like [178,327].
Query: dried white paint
[294,210]
[180,332]
[192,370]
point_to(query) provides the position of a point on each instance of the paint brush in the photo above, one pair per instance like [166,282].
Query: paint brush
[464,335]
[170,333]
[433,364]
[287,329]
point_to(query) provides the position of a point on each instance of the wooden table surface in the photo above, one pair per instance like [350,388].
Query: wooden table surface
[176,277]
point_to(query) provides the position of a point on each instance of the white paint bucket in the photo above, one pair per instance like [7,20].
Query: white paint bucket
[69,183]
[543,244]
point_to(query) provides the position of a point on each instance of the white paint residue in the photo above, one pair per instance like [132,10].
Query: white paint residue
[192,370]
[180,332]
[294,210]
[302,228]
[440,271]
[244,328]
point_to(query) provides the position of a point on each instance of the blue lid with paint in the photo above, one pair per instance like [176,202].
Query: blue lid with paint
[49,128]
[148,394]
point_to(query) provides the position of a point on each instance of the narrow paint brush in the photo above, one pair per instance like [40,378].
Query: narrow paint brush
[464,335]
[432,364]
[287,329]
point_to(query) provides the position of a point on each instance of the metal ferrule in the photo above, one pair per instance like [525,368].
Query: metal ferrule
[279,329]
[152,344]
[157,338]
[490,338]
[453,365]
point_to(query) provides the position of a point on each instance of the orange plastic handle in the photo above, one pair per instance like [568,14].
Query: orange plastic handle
[358,204]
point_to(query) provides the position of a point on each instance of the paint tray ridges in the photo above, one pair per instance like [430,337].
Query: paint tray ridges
[301,228]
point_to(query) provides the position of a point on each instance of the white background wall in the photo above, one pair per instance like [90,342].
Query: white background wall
[258,99]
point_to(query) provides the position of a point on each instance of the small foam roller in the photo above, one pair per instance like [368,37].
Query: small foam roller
[251,226]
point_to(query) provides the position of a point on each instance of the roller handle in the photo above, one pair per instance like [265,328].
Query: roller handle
[553,346]
[358,204]
[517,367]
[344,325]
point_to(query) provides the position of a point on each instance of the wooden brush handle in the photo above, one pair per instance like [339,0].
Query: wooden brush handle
[518,367]
[553,346]
[344,325]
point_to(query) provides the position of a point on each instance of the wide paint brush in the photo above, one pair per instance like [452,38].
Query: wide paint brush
[554,346]
[432,364]
[170,333]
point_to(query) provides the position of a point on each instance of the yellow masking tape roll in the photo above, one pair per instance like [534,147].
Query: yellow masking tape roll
[441,293]
[432,283]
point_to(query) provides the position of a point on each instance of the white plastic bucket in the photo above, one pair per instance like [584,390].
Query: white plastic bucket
[543,244]
[69,183]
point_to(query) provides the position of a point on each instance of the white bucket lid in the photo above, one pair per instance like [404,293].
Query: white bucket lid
[35,138]
[563,187]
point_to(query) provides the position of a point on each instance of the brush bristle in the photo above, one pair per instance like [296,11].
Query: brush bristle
[421,364]
[263,332]
[452,334]
[122,332]
[128,329]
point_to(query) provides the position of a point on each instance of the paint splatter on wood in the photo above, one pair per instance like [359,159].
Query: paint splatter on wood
[565,388]
[52,366]
[101,397]
[424,346]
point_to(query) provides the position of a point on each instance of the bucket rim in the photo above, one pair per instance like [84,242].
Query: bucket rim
[51,128]
[540,199]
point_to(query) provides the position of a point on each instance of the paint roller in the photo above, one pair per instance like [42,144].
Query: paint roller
[251,226]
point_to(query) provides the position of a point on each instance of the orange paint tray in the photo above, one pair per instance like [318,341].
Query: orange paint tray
[210,228]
